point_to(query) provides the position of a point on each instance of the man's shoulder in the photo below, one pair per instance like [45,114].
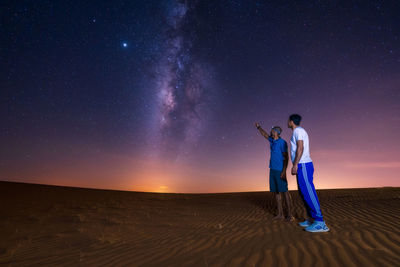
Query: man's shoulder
[282,140]
[299,130]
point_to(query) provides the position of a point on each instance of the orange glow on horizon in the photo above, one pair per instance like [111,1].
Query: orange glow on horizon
[332,170]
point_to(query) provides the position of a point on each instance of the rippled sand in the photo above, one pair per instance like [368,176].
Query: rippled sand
[60,226]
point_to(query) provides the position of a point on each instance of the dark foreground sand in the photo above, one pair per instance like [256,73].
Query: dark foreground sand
[60,226]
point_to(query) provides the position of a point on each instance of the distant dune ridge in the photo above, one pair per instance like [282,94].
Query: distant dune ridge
[62,226]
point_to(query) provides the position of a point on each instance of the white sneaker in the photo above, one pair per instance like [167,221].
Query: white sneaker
[306,223]
[317,227]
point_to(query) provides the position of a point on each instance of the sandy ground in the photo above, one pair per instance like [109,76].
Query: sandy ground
[60,226]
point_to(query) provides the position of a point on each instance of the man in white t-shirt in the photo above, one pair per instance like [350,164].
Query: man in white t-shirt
[303,168]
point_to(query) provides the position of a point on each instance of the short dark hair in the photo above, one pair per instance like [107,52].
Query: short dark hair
[296,118]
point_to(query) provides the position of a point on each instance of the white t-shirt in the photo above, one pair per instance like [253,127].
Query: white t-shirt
[300,134]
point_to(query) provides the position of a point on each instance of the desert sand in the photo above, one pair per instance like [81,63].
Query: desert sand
[64,226]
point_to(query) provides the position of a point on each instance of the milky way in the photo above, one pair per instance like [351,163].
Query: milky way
[182,90]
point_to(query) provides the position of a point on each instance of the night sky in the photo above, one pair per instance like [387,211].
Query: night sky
[163,95]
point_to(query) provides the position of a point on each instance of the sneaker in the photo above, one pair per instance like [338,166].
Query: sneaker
[306,223]
[317,227]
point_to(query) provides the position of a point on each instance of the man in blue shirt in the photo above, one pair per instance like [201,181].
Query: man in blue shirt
[277,169]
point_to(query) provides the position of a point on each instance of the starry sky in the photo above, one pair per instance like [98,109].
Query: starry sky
[162,95]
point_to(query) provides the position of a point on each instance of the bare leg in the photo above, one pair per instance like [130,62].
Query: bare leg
[288,199]
[279,204]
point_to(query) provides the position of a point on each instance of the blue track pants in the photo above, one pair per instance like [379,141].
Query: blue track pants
[305,172]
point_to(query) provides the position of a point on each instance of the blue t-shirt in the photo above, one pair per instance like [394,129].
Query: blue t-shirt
[278,147]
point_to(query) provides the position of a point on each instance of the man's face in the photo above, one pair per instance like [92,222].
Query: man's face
[274,134]
[289,125]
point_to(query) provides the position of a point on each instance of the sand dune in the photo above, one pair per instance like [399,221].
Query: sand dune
[61,226]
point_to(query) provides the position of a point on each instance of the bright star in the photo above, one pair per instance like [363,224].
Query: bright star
[124,44]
